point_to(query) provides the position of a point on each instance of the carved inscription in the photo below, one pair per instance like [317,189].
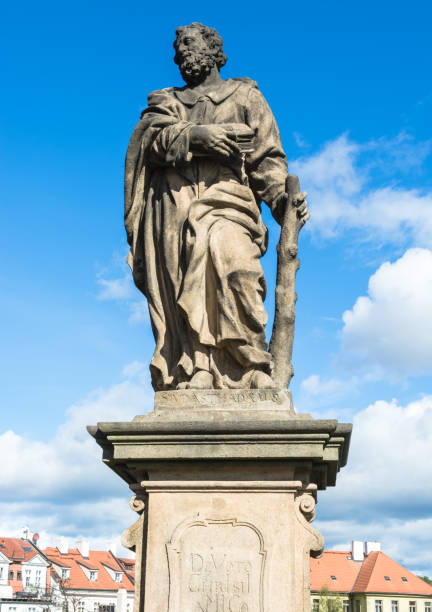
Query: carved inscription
[216,566]
[223,398]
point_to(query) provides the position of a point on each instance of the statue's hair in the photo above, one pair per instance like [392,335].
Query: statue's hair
[213,39]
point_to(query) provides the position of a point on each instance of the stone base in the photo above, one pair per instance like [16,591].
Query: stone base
[225,483]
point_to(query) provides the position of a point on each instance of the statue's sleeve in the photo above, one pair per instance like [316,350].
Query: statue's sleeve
[266,166]
[161,138]
[165,131]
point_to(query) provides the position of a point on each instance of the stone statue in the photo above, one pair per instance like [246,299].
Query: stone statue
[199,163]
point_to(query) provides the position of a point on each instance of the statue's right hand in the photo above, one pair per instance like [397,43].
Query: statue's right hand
[213,139]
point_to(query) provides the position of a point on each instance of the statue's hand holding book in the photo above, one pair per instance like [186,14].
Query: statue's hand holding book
[223,139]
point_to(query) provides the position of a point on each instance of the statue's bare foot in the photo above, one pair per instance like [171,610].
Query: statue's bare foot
[200,380]
[261,380]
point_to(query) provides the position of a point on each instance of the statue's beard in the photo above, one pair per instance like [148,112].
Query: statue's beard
[194,67]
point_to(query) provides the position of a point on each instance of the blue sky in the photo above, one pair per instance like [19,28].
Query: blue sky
[350,88]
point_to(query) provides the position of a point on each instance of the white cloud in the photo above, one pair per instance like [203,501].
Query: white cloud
[407,541]
[122,289]
[338,179]
[61,486]
[315,386]
[139,312]
[52,521]
[117,288]
[383,493]
[390,330]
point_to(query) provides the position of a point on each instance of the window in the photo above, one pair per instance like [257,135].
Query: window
[65,574]
[38,577]
[19,575]
[11,575]
[12,609]
[315,605]
[27,577]
[346,606]
[404,579]
[81,606]
[93,575]
[427,606]
[118,577]
[32,610]
[358,605]
[412,606]
[387,578]
[395,606]
[378,605]
[107,608]
[333,577]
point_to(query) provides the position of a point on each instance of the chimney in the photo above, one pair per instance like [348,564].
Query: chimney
[370,547]
[121,600]
[357,550]
[63,545]
[25,533]
[83,547]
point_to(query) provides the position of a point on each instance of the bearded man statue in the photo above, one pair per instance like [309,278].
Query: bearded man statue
[199,163]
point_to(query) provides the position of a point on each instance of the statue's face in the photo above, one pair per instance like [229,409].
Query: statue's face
[193,56]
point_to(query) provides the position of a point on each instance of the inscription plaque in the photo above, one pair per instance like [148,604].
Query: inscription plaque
[216,566]
[234,399]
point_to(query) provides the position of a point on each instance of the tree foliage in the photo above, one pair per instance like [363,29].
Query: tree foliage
[330,602]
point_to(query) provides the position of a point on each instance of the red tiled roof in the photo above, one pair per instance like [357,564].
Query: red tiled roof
[96,560]
[376,566]
[18,551]
[13,549]
[89,566]
[335,563]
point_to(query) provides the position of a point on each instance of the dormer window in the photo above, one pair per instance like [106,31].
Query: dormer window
[93,575]
[387,578]
[65,574]
[404,579]
[118,577]
[333,577]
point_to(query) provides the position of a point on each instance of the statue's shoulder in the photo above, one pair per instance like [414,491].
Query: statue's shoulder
[246,82]
[167,91]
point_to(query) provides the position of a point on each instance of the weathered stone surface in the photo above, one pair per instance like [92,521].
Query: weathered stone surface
[225,474]
[225,502]
[241,399]
[207,447]
[199,162]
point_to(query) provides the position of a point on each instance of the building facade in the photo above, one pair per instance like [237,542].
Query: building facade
[24,572]
[90,580]
[59,579]
[366,580]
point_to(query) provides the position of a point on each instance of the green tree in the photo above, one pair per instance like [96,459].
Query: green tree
[426,579]
[329,602]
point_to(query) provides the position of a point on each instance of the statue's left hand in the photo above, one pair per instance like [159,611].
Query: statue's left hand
[300,202]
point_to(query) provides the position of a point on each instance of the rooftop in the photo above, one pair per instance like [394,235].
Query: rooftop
[17,550]
[103,562]
[377,573]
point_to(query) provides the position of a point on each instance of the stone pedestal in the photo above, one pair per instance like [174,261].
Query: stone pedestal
[225,483]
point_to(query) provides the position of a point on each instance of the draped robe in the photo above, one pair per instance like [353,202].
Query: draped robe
[196,234]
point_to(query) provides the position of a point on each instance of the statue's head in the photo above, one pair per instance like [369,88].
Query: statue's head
[198,49]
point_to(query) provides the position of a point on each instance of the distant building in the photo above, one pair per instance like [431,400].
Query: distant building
[24,572]
[367,580]
[63,580]
[90,580]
